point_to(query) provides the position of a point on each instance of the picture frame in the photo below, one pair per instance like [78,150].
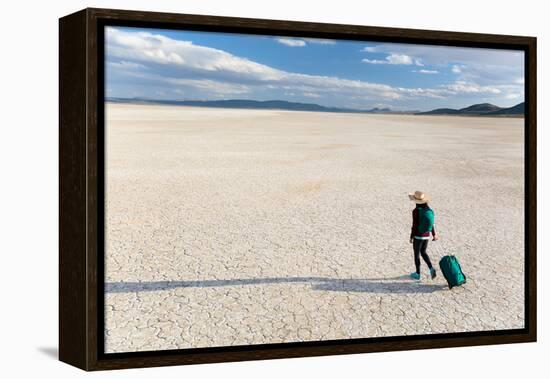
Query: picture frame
[82,184]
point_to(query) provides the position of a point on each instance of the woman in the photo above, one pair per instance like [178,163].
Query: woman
[422,229]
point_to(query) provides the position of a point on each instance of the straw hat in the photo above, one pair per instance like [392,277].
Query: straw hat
[419,197]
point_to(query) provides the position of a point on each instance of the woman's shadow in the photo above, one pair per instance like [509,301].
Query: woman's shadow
[399,284]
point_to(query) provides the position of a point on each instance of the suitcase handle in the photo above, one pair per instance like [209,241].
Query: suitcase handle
[438,249]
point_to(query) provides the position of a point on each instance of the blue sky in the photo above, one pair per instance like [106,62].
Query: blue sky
[184,65]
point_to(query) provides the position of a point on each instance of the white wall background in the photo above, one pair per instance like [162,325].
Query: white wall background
[28,186]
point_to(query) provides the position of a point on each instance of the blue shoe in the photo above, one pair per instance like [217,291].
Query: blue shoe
[433,273]
[415,276]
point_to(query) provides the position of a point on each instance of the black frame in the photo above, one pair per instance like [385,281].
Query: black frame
[81,183]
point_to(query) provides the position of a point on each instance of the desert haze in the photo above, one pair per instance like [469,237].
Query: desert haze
[235,227]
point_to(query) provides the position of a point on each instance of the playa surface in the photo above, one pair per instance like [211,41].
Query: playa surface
[236,227]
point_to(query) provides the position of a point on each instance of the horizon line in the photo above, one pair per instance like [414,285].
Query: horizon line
[328,108]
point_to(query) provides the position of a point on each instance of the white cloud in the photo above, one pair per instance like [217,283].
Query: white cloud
[291,42]
[513,95]
[461,86]
[457,69]
[396,59]
[399,59]
[374,61]
[127,65]
[210,85]
[369,49]
[311,94]
[320,41]
[157,49]
[427,71]
[301,42]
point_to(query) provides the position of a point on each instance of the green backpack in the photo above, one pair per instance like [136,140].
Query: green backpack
[425,220]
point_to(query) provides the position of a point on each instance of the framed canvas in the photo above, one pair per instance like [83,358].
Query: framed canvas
[242,189]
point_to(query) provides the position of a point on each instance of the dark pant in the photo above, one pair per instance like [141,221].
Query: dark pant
[419,247]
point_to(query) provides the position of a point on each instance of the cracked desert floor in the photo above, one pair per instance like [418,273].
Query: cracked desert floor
[236,227]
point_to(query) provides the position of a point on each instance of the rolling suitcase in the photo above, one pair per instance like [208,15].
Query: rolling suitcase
[452,271]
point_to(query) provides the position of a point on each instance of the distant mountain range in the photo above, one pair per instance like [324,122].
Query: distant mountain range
[255,104]
[484,109]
